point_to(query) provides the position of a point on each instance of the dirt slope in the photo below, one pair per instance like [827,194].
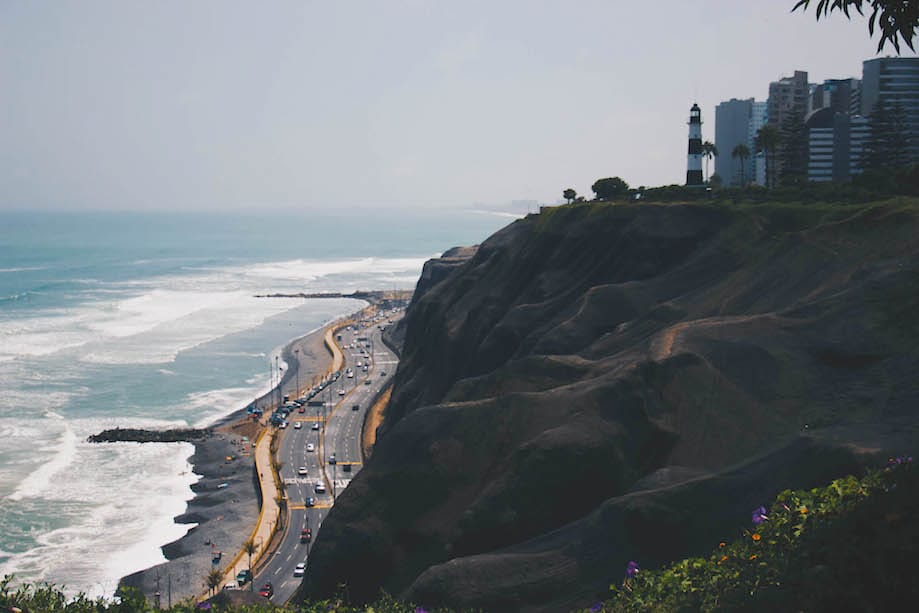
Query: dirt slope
[612,382]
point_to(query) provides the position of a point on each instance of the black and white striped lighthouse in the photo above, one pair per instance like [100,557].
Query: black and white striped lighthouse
[694,157]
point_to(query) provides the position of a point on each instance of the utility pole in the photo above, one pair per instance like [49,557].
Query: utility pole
[278,368]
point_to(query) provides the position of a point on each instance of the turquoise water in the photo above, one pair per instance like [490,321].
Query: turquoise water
[149,320]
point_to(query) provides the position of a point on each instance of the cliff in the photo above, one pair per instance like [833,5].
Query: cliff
[612,382]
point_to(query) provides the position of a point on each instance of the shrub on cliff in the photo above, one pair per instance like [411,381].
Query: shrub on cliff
[849,545]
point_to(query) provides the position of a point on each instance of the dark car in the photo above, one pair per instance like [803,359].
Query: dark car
[244,576]
[310,501]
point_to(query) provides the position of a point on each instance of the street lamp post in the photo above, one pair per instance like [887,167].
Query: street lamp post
[277,367]
[297,353]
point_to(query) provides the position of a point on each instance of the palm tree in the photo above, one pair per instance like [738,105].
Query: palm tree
[709,151]
[768,139]
[743,152]
[213,580]
[250,548]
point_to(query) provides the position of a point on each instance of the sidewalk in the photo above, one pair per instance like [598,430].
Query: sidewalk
[268,518]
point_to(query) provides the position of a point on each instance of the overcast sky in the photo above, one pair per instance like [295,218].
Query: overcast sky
[225,104]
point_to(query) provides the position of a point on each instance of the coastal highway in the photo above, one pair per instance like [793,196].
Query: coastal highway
[339,433]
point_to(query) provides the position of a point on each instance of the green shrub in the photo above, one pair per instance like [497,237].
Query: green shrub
[849,546]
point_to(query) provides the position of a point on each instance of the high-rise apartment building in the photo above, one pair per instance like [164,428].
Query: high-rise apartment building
[841,95]
[893,82]
[789,99]
[732,128]
[758,118]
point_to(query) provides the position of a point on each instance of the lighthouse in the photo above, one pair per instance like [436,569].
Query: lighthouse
[694,157]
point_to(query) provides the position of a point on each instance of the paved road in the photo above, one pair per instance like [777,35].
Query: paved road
[339,433]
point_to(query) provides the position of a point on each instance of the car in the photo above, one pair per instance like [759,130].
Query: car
[355,407]
[283,424]
[332,459]
[310,447]
[346,467]
[298,425]
[382,373]
[350,375]
[341,392]
[310,501]
[320,487]
[306,535]
[301,471]
[300,569]
[316,425]
[359,363]
[244,576]
[267,590]
[367,382]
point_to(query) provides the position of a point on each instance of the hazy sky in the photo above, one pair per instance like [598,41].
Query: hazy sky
[226,104]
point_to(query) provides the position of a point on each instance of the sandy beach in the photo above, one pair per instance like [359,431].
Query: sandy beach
[227,497]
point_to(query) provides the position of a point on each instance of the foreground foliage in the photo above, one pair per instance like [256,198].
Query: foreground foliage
[848,546]
[46,598]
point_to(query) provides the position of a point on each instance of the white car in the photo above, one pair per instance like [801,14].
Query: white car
[316,425]
[298,425]
[341,392]
[301,471]
[300,569]
[310,447]
[320,487]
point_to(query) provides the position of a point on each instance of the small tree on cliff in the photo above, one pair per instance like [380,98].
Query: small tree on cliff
[610,188]
[569,195]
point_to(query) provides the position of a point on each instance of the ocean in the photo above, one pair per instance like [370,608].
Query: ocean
[150,320]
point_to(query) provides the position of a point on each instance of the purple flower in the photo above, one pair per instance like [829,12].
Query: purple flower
[759,515]
[631,569]
[596,608]
[421,610]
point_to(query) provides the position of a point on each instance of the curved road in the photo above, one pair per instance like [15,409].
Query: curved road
[334,428]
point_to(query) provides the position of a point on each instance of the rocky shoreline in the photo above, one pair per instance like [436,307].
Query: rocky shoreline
[139,435]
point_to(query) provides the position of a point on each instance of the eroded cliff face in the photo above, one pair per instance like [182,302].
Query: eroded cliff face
[611,382]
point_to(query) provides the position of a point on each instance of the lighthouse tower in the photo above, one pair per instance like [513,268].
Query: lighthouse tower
[694,158]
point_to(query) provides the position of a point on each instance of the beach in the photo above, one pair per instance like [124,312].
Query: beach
[227,497]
